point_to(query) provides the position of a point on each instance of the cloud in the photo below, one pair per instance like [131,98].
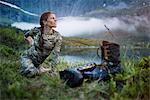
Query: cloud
[73,26]
[24,25]
[76,26]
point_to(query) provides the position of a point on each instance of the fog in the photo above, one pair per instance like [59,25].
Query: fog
[24,25]
[73,26]
[76,26]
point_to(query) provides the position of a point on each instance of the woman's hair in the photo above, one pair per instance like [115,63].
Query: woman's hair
[44,17]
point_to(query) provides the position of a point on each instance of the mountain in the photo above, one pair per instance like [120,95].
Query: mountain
[64,8]
[133,16]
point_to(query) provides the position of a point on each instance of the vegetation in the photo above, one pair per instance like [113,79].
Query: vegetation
[132,83]
[78,42]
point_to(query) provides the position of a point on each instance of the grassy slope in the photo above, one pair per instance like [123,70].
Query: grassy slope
[71,41]
[135,79]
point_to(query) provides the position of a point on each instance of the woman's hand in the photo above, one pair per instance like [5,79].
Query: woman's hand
[29,40]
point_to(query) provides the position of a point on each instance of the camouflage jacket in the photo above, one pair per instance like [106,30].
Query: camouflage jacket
[51,45]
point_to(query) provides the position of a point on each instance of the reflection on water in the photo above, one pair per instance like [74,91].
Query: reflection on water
[77,55]
[78,59]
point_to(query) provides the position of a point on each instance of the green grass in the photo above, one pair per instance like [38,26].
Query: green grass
[134,80]
[132,83]
[77,42]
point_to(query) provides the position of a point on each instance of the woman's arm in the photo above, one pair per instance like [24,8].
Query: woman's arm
[56,51]
[30,35]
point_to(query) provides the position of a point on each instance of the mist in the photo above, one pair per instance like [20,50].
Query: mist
[24,25]
[75,26]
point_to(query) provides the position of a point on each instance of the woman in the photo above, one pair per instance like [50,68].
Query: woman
[44,41]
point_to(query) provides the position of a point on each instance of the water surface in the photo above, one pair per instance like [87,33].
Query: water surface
[77,55]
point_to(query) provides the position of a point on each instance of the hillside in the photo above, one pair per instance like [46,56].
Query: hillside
[8,35]
[132,83]
[79,42]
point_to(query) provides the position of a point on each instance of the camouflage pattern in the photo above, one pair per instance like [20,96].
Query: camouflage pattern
[35,55]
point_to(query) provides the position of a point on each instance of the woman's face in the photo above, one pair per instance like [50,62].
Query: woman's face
[51,21]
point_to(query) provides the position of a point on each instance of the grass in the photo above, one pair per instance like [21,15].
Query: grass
[77,42]
[132,83]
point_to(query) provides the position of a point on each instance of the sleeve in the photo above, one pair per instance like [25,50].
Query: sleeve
[31,33]
[56,51]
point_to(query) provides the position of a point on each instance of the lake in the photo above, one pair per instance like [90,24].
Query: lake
[77,55]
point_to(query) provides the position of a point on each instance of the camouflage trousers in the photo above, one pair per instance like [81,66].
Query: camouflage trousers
[28,69]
